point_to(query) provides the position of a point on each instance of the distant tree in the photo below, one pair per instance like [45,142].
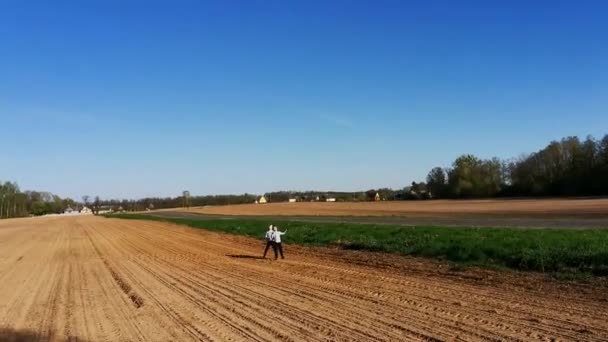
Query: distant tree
[359,196]
[370,195]
[186,202]
[279,196]
[601,168]
[437,182]
[85,200]
[96,205]
[386,194]
[14,203]
[491,181]
[68,203]
[473,177]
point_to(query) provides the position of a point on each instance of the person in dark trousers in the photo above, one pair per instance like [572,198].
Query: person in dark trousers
[270,242]
[276,237]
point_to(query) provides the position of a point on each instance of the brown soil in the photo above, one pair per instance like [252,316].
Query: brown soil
[96,279]
[515,207]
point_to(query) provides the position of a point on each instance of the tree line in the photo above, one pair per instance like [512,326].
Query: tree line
[568,167]
[17,203]
[150,203]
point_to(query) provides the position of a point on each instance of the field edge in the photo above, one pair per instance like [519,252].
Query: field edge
[563,254]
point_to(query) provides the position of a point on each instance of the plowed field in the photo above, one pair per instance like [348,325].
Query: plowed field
[510,207]
[97,279]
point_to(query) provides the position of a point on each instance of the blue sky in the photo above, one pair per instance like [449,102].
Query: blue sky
[126,99]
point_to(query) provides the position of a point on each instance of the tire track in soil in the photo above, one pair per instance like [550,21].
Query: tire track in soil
[122,284]
[128,323]
[174,315]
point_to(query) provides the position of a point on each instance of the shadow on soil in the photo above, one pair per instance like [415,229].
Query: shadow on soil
[245,256]
[26,335]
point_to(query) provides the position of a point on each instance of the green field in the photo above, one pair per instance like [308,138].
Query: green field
[557,251]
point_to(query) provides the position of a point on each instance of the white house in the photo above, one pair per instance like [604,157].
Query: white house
[330,199]
[261,200]
[68,211]
[292,200]
[86,211]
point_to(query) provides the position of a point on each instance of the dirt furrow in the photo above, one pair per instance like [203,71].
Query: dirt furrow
[96,279]
[232,291]
[477,321]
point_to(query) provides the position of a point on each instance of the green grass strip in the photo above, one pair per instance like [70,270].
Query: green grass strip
[560,251]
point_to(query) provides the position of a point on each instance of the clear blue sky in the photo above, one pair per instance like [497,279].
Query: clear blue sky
[126,99]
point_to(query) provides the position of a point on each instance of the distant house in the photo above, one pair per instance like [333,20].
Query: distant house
[86,211]
[372,195]
[68,211]
[292,200]
[330,199]
[261,200]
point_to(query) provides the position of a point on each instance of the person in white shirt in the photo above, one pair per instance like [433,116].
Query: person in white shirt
[276,237]
[270,242]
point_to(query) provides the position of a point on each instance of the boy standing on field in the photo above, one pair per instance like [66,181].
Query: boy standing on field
[270,242]
[276,235]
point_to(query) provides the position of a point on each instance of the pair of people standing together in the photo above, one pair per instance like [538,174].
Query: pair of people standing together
[273,239]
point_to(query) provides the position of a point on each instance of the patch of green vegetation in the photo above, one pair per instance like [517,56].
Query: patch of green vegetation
[560,251]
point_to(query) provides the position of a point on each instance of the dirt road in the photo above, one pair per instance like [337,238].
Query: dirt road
[96,279]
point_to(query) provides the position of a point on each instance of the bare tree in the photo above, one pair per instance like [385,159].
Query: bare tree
[96,205]
[85,200]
